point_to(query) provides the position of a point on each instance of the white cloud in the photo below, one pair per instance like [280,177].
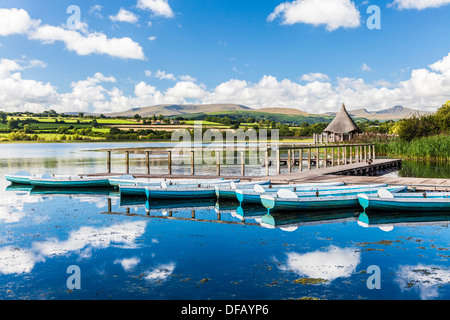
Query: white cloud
[17,93]
[187,78]
[365,67]
[124,16]
[158,7]
[425,279]
[333,14]
[186,90]
[16,260]
[330,264]
[125,233]
[161,272]
[152,38]
[419,4]
[96,11]
[15,21]
[425,89]
[310,77]
[128,264]
[85,44]
[163,75]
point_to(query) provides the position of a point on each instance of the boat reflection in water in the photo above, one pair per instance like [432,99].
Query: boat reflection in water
[386,221]
[290,221]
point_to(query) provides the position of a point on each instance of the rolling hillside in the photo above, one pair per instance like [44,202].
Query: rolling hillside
[175,110]
[394,113]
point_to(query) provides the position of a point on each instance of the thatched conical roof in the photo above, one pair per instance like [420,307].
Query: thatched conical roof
[343,123]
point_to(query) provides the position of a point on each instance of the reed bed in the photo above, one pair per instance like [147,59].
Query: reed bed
[435,148]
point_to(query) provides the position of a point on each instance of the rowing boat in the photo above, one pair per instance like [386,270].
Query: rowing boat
[254,196]
[132,181]
[21,177]
[225,192]
[209,184]
[427,201]
[286,200]
[197,191]
[48,181]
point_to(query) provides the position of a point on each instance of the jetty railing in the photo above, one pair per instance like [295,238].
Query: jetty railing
[330,155]
[315,156]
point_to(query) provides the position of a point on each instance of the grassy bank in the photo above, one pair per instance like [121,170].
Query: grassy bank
[428,148]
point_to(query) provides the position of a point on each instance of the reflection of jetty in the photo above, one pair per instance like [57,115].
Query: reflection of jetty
[349,163]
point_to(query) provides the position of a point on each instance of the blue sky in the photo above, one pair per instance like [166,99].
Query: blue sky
[311,55]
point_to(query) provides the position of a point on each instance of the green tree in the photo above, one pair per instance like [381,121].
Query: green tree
[13,124]
[3,116]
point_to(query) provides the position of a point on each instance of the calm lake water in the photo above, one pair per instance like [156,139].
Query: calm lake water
[201,250]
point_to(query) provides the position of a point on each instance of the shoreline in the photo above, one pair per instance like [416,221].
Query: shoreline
[127,141]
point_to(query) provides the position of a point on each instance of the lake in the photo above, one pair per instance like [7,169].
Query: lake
[125,248]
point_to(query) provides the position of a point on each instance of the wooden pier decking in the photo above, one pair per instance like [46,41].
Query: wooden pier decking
[349,163]
[349,173]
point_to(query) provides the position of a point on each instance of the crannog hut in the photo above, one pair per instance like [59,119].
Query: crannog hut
[342,128]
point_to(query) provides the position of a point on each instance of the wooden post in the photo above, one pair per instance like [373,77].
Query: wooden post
[325,156]
[360,154]
[351,156]
[278,162]
[192,163]
[218,163]
[289,161]
[332,156]
[169,160]
[147,161]
[365,153]
[293,159]
[339,156]
[345,154]
[356,154]
[373,152]
[309,159]
[300,160]
[317,158]
[108,161]
[243,163]
[127,161]
[266,162]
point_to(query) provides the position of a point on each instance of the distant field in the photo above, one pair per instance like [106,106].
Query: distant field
[204,123]
[74,120]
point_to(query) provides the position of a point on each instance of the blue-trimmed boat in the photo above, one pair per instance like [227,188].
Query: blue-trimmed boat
[427,201]
[21,177]
[286,200]
[195,184]
[129,180]
[47,181]
[227,192]
[254,196]
[189,191]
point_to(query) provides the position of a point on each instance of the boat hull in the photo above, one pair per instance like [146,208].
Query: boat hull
[347,200]
[18,179]
[66,183]
[415,202]
[255,197]
[180,193]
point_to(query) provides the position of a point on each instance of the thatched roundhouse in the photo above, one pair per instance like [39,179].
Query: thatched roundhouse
[342,128]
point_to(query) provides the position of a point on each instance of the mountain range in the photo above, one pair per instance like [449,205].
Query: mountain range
[191,110]
[394,113]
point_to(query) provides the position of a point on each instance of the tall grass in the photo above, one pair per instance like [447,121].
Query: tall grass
[428,148]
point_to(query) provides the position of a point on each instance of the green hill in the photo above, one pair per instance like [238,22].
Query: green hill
[259,115]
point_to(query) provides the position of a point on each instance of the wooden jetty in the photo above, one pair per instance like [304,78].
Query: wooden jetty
[349,163]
